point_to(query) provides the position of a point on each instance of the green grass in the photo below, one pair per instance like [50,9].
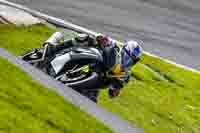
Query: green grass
[169,104]
[20,39]
[165,99]
[27,107]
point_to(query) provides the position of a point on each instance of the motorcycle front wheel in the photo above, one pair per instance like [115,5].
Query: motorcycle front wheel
[77,78]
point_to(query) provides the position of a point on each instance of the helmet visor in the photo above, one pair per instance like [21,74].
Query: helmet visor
[127,60]
[136,52]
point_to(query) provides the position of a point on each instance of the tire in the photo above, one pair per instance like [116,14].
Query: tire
[93,81]
[34,58]
[35,54]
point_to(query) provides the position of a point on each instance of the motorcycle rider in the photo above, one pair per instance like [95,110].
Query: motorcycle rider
[118,58]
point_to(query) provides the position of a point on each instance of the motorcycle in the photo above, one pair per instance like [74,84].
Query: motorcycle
[76,67]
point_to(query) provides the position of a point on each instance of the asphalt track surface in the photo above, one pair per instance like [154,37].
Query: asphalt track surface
[168,28]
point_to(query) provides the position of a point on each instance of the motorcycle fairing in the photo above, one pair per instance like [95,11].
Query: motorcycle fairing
[76,54]
[59,62]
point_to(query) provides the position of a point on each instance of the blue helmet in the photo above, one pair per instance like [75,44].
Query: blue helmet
[131,53]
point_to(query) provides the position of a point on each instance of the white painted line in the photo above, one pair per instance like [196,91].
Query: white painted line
[69,25]
[48,18]
[14,16]
[174,63]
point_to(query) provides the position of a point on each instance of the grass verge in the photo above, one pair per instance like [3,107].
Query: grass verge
[166,102]
[159,98]
[26,106]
